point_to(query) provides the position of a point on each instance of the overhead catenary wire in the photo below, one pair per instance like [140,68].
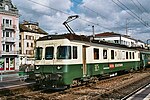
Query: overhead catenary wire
[144,23]
[90,9]
[130,13]
[139,8]
[143,7]
[69,14]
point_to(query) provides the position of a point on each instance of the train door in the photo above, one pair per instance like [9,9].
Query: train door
[84,61]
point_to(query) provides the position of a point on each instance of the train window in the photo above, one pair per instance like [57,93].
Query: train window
[127,55]
[96,53]
[64,52]
[133,55]
[112,54]
[123,55]
[49,53]
[138,55]
[130,55]
[38,53]
[104,54]
[75,52]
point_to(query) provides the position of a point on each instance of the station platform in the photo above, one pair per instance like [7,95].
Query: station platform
[143,94]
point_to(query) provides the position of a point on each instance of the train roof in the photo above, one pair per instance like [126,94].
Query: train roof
[65,36]
[84,38]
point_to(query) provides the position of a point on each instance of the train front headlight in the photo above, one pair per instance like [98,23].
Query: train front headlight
[37,67]
[59,67]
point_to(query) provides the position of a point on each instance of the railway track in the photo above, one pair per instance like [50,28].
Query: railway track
[132,93]
[105,89]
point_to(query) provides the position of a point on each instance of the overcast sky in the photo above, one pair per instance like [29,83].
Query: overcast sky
[105,15]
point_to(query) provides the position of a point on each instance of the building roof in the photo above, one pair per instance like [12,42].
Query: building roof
[24,28]
[11,8]
[106,34]
[112,34]
[67,36]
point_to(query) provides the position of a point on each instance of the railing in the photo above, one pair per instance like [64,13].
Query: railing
[8,39]
[8,26]
[9,52]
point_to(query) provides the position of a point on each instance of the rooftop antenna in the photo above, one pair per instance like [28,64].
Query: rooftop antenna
[70,18]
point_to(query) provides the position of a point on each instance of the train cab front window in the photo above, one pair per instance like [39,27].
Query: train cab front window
[64,52]
[49,53]
[38,53]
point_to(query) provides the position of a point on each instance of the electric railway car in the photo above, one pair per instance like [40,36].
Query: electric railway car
[69,59]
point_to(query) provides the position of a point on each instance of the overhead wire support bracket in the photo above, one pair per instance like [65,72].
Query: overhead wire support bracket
[70,18]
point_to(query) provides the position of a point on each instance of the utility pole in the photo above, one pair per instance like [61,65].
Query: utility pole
[93,31]
[147,43]
[127,22]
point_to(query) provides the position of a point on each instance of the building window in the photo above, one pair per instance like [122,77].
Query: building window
[6,7]
[7,21]
[104,54]
[27,44]
[75,52]
[10,22]
[32,37]
[3,33]
[20,51]
[7,48]
[112,54]
[26,36]
[3,47]
[7,34]
[19,37]
[3,21]
[26,51]
[10,47]
[19,44]
[96,53]
[31,44]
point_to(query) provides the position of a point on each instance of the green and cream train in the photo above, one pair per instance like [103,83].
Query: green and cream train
[69,59]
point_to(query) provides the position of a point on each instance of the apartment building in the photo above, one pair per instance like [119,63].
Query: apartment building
[119,39]
[29,33]
[9,36]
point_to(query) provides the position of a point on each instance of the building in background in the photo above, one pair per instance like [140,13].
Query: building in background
[9,36]
[119,39]
[29,33]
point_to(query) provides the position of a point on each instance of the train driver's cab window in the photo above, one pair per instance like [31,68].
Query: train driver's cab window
[104,54]
[38,53]
[64,52]
[75,52]
[49,53]
[112,54]
[96,53]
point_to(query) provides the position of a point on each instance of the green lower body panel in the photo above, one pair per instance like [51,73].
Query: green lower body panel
[65,74]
